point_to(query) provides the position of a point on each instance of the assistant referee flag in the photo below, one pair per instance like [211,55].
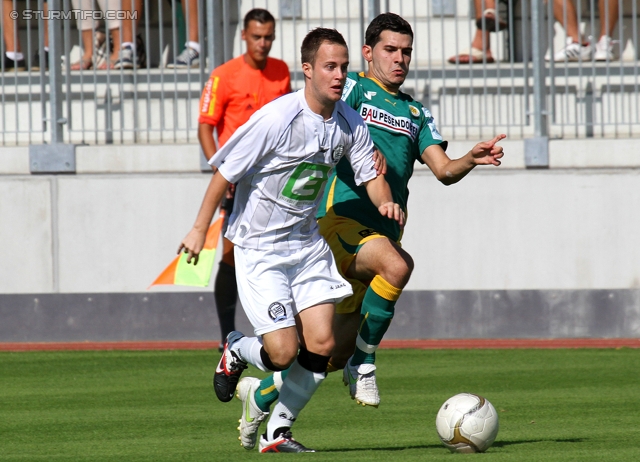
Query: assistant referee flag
[181,273]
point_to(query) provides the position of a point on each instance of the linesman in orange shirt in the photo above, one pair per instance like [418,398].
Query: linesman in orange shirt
[233,93]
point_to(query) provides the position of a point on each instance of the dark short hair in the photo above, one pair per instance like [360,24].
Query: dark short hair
[386,21]
[260,15]
[314,39]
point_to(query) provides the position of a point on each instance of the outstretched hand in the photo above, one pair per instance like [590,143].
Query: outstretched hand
[393,211]
[488,152]
[192,244]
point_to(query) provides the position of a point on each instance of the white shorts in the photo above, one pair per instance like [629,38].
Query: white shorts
[275,285]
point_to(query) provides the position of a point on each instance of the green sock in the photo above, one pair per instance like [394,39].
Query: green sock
[269,390]
[378,307]
[371,331]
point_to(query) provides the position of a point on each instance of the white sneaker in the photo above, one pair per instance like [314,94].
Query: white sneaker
[189,58]
[125,58]
[604,49]
[252,415]
[573,52]
[362,383]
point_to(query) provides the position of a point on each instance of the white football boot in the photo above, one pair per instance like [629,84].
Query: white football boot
[362,383]
[252,415]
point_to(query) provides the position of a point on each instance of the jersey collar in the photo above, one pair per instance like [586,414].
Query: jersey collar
[380,84]
[307,109]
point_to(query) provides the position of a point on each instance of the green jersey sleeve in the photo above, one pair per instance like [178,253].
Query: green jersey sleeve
[429,134]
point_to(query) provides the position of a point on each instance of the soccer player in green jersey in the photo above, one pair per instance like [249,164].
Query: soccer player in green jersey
[367,249]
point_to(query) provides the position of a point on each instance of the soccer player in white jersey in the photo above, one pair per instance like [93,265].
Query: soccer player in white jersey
[287,278]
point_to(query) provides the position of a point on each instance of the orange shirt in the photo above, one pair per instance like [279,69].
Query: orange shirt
[235,91]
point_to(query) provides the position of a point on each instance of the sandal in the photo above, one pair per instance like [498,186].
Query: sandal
[492,21]
[83,65]
[473,56]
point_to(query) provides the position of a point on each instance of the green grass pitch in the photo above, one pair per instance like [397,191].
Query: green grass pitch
[554,405]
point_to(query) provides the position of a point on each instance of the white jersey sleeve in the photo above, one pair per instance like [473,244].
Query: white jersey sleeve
[248,145]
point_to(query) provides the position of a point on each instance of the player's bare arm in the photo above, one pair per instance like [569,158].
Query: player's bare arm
[449,171]
[379,162]
[380,195]
[194,241]
[205,137]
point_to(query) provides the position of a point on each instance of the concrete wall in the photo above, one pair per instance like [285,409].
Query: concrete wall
[100,230]
[109,230]
[520,229]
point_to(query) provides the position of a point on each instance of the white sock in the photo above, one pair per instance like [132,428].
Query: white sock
[128,44]
[193,46]
[248,348]
[297,389]
[15,55]
[277,380]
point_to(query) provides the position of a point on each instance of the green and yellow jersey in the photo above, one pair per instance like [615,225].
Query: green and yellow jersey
[401,129]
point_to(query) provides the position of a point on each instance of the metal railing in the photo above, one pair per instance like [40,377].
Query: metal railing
[524,93]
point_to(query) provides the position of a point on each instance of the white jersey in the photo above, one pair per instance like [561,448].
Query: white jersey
[281,160]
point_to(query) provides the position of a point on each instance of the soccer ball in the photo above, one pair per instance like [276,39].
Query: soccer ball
[467,423]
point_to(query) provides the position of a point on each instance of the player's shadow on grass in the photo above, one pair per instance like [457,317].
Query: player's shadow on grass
[497,444]
[502,444]
[389,448]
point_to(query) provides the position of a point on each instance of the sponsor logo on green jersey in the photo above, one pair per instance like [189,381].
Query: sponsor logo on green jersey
[375,116]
